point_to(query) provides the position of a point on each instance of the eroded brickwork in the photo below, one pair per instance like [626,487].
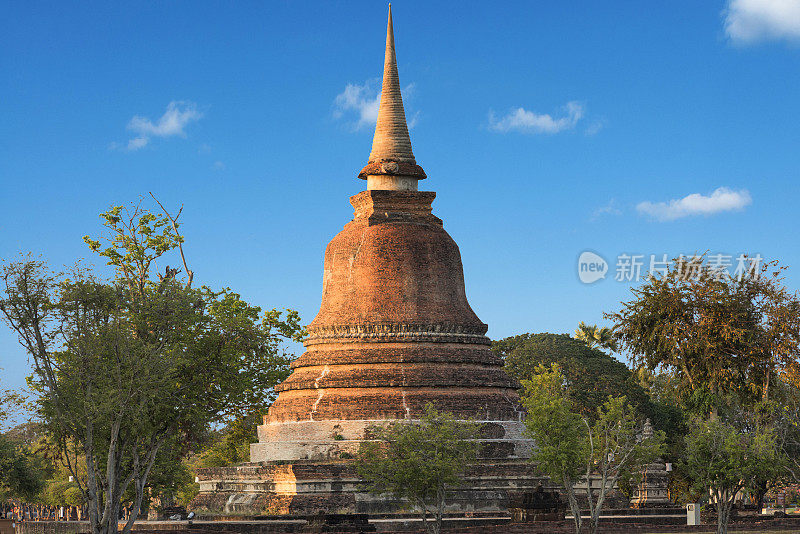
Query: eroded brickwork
[395,330]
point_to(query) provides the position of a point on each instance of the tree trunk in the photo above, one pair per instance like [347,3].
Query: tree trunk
[598,507]
[424,511]
[139,483]
[133,512]
[601,498]
[723,515]
[574,507]
[761,491]
[439,509]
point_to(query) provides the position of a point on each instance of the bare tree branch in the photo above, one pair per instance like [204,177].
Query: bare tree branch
[174,220]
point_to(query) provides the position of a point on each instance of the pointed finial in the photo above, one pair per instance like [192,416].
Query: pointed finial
[391,146]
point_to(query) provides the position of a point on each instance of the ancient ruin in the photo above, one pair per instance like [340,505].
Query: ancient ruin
[394,332]
[653,490]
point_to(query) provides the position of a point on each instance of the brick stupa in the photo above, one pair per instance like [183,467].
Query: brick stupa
[394,332]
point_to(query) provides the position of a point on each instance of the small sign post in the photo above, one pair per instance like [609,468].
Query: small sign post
[693,514]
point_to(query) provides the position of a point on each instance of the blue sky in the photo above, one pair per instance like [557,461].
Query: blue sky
[546,128]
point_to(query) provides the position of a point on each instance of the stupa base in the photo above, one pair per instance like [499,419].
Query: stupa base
[303,488]
[324,441]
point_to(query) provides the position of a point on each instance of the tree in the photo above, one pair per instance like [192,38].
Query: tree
[419,460]
[723,460]
[562,451]
[230,445]
[20,476]
[594,337]
[718,334]
[11,403]
[125,366]
[787,422]
[591,375]
[569,447]
[781,414]
[62,492]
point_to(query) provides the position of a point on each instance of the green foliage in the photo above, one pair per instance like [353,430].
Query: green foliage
[141,364]
[590,374]
[12,404]
[62,492]
[20,477]
[617,440]
[723,459]
[136,238]
[714,344]
[231,446]
[594,337]
[562,448]
[787,420]
[716,335]
[419,460]
[570,447]
[26,434]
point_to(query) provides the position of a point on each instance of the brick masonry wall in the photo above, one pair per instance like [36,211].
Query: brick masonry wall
[395,331]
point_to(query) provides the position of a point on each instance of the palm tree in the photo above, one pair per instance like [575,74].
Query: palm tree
[596,338]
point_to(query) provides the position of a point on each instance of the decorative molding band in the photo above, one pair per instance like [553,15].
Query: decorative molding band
[394,168]
[393,332]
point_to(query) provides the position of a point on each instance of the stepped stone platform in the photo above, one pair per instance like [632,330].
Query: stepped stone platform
[302,488]
[463,525]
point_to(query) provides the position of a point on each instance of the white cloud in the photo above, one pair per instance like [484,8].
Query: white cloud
[138,142]
[594,127]
[722,199]
[413,120]
[363,101]
[219,166]
[609,209]
[748,21]
[526,121]
[173,122]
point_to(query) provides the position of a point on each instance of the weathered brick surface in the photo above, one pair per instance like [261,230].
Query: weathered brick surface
[345,470]
[275,504]
[361,353]
[488,404]
[303,487]
[398,268]
[395,330]
[394,333]
[405,375]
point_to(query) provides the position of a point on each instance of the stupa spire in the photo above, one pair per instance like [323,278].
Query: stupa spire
[391,147]
[391,141]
